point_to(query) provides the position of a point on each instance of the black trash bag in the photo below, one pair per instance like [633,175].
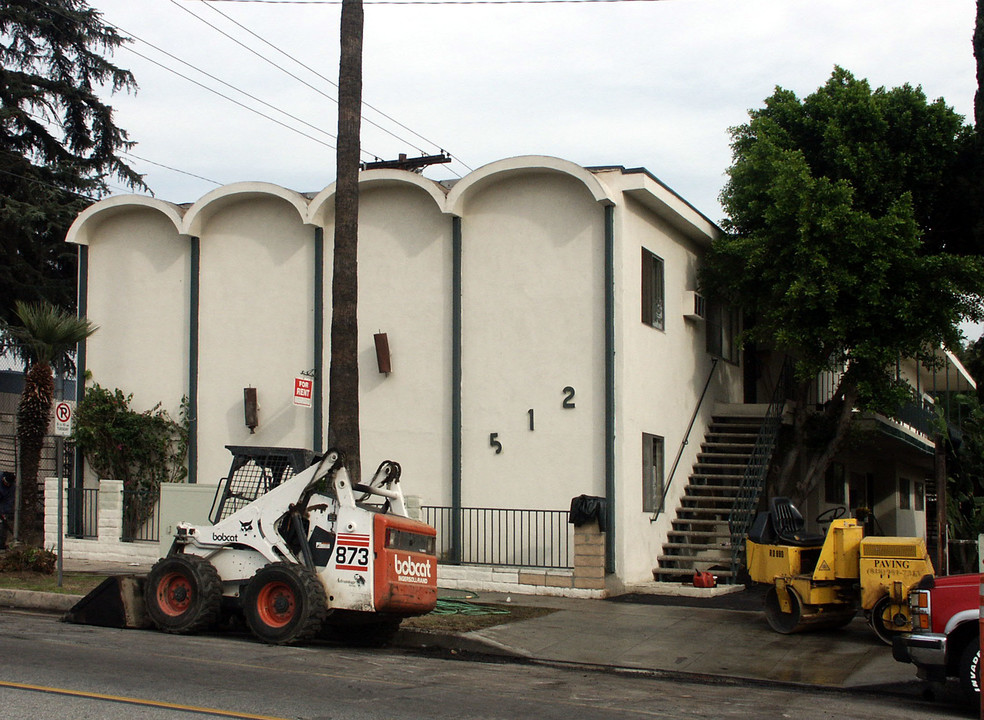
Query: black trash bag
[586,508]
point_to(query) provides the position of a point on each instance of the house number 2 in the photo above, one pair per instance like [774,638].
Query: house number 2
[568,398]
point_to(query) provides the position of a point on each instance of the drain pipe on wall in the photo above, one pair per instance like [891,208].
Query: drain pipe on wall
[610,387]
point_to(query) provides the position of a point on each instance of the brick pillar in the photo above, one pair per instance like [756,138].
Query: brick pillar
[51,512]
[110,516]
[589,557]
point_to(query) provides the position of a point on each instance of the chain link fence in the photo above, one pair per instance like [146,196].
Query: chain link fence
[78,508]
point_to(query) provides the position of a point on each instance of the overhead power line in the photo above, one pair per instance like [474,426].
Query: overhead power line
[206,87]
[230,99]
[127,153]
[223,82]
[279,67]
[172,169]
[434,2]
[211,6]
[38,181]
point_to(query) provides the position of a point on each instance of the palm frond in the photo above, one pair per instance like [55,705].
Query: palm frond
[47,334]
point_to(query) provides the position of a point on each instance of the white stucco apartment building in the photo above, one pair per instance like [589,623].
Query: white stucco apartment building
[540,318]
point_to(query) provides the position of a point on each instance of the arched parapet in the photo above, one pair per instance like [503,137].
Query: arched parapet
[92,217]
[524,165]
[213,202]
[322,205]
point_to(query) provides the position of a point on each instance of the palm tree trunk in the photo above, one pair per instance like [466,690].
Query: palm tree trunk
[33,417]
[343,380]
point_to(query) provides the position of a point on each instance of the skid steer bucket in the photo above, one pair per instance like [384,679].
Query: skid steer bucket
[117,602]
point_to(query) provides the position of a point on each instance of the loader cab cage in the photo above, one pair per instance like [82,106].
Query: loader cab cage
[254,472]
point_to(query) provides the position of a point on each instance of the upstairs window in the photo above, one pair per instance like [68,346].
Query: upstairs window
[653,292]
[723,327]
[904,490]
[652,473]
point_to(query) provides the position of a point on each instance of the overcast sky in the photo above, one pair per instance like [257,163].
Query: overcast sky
[652,84]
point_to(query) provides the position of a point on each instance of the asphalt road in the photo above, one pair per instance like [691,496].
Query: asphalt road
[54,670]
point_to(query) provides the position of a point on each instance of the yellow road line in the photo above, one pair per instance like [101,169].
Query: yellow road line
[137,701]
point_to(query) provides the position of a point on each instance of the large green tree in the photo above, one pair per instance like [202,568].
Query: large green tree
[841,246]
[59,144]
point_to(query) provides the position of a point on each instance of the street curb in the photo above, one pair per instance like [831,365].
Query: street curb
[35,600]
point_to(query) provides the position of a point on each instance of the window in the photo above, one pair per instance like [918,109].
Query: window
[904,502]
[652,473]
[834,484]
[723,326]
[653,291]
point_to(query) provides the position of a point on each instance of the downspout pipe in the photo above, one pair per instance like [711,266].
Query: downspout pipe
[82,303]
[610,387]
[193,356]
[318,400]
[456,390]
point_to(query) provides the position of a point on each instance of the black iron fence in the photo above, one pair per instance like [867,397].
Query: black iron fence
[141,516]
[503,536]
[83,512]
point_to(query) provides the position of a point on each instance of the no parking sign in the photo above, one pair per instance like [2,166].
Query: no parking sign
[64,414]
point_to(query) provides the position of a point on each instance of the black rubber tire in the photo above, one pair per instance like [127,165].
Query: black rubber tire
[885,632]
[781,622]
[183,594]
[970,671]
[285,603]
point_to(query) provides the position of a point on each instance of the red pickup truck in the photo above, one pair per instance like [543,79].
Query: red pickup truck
[945,641]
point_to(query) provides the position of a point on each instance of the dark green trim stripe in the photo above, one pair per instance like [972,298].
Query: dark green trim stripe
[610,386]
[456,389]
[318,401]
[82,304]
[194,310]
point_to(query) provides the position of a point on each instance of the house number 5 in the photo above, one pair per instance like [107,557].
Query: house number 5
[494,442]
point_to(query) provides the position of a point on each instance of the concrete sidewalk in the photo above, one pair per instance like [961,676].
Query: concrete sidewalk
[661,638]
[737,644]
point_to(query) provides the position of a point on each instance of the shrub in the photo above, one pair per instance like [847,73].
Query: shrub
[141,449]
[27,557]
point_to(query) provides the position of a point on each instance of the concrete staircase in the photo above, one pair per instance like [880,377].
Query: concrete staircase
[699,538]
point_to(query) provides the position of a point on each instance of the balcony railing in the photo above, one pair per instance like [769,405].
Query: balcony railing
[918,417]
[503,536]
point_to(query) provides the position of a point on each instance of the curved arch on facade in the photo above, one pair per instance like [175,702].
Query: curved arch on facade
[503,169]
[214,201]
[93,216]
[322,202]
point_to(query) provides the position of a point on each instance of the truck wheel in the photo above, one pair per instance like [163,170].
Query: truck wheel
[285,603]
[970,671]
[883,627]
[183,594]
[783,622]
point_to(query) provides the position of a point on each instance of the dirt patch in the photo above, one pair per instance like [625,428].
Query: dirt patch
[454,616]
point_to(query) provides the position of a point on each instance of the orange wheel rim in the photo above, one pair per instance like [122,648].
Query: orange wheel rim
[174,594]
[276,604]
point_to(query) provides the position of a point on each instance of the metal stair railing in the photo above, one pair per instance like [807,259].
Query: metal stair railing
[753,478]
[684,443]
